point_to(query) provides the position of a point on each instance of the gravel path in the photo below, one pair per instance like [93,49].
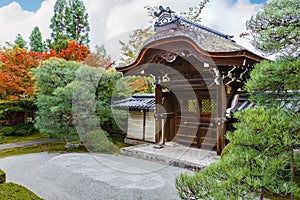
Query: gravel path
[86,176]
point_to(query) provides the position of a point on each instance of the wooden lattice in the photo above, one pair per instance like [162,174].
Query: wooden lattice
[209,105]
[192,105]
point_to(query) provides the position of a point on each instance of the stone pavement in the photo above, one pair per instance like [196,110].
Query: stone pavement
[92,176]
[175,155]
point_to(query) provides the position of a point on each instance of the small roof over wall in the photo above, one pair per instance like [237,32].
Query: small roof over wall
[242,101]
[138,102]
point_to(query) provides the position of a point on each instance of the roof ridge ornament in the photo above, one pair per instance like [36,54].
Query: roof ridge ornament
[167,19]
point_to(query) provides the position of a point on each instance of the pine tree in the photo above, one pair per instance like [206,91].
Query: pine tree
[79,25]
[20,42]
[70,21]
[35,41]
[275,29]
[58,21]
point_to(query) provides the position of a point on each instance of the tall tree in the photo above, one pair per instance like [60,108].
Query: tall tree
[58,20]
[54,99]
[70,21]
[275,29]
[20,42]
[36,41]
[78,29]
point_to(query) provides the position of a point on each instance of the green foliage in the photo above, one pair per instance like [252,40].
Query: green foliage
[74,99]
[36,41]
[7,131]
[78,28]
[12,191]
[84,100]
[58,20]
[256,164]
[99,141]
[18,130]
[58,44]
[110,87]
[10,108]
[20,42]
[70,21]
[2,177]
[275,28]
[54,100]
[281,80]
[221,180]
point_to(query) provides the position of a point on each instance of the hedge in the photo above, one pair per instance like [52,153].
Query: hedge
[2,177]
[12,191]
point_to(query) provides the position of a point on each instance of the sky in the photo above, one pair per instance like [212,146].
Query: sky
[111,21]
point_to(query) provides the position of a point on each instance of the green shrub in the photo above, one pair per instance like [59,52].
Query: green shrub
[2,177]
[256,162]
[99,141]
[12,191]
[6,131]
[18,130]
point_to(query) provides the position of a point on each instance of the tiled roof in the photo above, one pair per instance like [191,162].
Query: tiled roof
[239,102]
[207,41]
[138,102]
[242,102]
[169,25]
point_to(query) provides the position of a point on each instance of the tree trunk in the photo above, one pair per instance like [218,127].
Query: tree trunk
[292,167]
[261,196]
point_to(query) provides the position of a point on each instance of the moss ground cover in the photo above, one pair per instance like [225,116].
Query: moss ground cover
[12,191]
[57,147]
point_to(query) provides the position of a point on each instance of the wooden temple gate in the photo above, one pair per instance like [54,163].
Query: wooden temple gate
[191,66]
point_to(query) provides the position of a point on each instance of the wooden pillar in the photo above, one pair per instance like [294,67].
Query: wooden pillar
[144,125]
[158,112]
[221,103]
[224,120]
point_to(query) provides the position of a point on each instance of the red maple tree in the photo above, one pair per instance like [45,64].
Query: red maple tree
[15,77]
[74,51]
[16,80]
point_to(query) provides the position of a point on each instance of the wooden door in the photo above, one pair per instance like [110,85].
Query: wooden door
[194,114]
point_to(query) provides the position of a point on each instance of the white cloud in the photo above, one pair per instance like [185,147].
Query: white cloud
[114,17]
[14,20]
[230,18]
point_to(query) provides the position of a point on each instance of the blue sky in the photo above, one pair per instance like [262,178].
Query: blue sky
[30,5]
[257,1]
[34,5]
